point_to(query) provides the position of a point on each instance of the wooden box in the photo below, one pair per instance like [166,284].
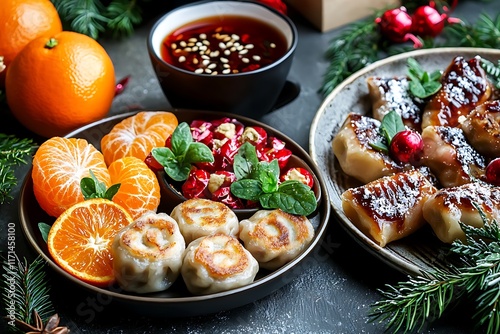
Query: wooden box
[328,14]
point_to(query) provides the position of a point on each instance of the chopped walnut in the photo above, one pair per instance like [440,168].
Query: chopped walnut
[227,129]
[215,182]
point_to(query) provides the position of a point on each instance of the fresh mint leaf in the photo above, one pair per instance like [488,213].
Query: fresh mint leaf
[181,139]
[293,197]
[178,161]
[198,152]
[44,230]
[248,189]
[268,175]
[422,84]
[245,161]
[392,123]
[91,187]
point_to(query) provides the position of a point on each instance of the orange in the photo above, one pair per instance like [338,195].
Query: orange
[58,84]
[80,239]
[137,135]
[58,166]
[139,189]
[21,21]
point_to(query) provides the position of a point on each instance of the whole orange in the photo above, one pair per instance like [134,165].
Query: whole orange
[58,84]
[21,21]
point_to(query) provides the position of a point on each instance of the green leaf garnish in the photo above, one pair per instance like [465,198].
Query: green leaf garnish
[422,84]
[177,162]
[391,124]
[44,230]
[259,181]
[492,70]
[92,188]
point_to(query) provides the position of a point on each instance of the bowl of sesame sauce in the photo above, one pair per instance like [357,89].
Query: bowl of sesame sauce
[230,56]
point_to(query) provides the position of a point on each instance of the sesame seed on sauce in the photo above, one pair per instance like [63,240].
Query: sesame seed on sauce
[230,45]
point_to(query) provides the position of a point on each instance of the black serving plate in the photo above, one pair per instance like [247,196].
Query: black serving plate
[177,301]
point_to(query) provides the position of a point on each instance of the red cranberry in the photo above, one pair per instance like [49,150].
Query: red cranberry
[493,172]
[406,147]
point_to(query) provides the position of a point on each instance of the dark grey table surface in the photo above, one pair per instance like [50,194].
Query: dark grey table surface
[336,285]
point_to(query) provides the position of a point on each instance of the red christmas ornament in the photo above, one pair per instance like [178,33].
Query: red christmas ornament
[396,25]
[428,22]
[279,5]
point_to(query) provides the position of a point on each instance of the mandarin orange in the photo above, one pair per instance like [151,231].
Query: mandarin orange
[139,188]
[59,165]
[58,84]
[137,135]
[80,240]
[21,21]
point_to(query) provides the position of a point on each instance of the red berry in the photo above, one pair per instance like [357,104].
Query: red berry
[406,146]
[493,172]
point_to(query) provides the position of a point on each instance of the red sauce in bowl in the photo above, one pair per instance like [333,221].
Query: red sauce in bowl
[224,45]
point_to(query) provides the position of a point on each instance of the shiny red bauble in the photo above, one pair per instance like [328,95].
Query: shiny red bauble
[492,173]
[406,147]
[396,25]
[429,22]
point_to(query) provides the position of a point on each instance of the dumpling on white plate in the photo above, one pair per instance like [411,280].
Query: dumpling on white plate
[147,254]
[216,263]
[357,158]
[275,237]
[198,217]
[449,206]
[389,208]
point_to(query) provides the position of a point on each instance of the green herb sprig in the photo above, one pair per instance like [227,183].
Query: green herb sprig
[391,124]
[409,305]
[259,181]
[422,84]
[492,70]
[92,188]
[178,161]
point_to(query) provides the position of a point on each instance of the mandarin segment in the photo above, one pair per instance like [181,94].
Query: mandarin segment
[137,135]
[59,165]
[139,188]
[80,240]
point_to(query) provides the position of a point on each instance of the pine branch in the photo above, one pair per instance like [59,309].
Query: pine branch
[26,286]
[123,15]
[13,151]
[353,49]
[409,305]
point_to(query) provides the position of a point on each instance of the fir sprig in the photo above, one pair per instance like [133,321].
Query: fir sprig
[13,152]
[25,287]
[409,305]
[93,17]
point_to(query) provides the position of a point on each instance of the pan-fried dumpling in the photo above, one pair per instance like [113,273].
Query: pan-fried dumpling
[198,217]
[389,94]
[357,158]
[449,206]
[465,86]
[450,157]
[275,237]
[216,263]
[147,254]
[389,208]
[482,128]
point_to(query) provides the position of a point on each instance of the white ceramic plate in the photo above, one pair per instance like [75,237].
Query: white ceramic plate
[421,251]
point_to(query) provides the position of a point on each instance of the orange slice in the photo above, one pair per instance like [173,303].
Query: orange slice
[139,189]
[80,240]
[137,135]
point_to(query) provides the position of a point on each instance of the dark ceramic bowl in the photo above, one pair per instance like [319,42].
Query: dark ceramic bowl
[177,301]
[251,93]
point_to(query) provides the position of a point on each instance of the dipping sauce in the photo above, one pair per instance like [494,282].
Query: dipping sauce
[224,45]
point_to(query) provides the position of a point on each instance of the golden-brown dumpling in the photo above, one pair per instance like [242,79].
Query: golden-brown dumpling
[199,217]
[449,206]
[389,208]
[147,254]
[275,237]
[216,263]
